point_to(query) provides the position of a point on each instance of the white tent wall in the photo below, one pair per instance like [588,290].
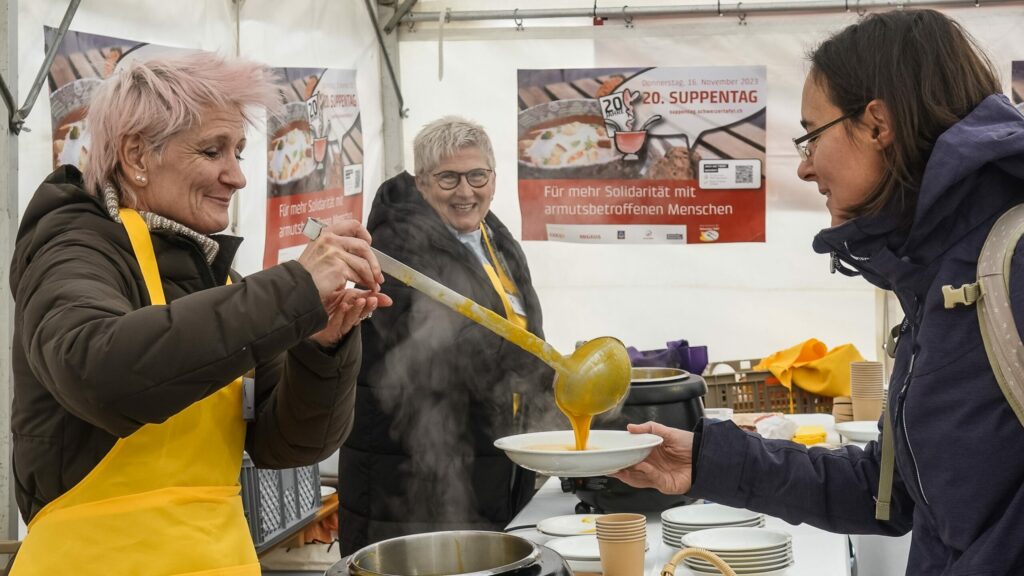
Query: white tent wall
[741,300]
[302,33]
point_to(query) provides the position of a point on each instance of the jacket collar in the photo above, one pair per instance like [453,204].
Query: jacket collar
[954,199]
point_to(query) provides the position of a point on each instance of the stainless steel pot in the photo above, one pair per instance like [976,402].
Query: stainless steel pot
[457,553]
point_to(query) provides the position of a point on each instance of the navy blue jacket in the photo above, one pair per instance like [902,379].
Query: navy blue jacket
[959,480]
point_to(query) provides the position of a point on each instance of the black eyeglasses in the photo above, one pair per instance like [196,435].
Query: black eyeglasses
[449,179]
[804,143]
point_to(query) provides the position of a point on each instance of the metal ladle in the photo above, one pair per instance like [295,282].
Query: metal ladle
[592,380]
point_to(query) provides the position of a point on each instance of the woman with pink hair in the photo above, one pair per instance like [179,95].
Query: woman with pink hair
[133,334]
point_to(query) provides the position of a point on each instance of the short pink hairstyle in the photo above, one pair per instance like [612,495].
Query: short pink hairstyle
[163,96]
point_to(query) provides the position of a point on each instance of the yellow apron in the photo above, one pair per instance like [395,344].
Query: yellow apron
[163,501]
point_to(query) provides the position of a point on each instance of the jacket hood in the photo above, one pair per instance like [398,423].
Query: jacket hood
[57,206]
[954,198]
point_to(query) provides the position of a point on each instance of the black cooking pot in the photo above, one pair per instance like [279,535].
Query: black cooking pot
[454,553]
[668,396]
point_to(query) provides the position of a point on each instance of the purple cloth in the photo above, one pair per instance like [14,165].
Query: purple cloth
[676,354]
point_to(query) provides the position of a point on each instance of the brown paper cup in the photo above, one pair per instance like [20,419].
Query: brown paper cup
[622,558]
[621,520]
[865,409]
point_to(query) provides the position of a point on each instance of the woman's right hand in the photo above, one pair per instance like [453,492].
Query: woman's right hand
[669,467]
[339,255]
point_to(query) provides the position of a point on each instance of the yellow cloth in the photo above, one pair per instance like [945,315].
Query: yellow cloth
[809,435]
[813,367]
[164,501]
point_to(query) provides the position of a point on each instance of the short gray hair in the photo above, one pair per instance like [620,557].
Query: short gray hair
[445,137]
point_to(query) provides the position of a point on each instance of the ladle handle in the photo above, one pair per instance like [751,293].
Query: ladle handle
[470,309]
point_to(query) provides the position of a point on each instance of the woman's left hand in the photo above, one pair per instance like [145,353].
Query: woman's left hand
[350,307]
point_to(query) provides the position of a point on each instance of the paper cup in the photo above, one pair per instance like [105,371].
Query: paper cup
[622,558]
[867,408]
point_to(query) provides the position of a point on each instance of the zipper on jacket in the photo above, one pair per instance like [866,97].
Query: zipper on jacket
[901,415]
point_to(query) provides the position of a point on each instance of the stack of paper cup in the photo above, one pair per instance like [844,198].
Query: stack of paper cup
[622,539]
[866,389]
[842,409]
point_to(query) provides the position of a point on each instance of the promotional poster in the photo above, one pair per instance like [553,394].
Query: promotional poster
[651,155]
[82,62]
[314,158]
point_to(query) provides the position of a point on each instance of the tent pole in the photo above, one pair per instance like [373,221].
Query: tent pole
[8,230]
[392,103]
[628,13]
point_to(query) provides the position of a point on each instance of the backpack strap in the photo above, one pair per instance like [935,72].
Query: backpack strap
[998,328]
[884,499]
[998,331]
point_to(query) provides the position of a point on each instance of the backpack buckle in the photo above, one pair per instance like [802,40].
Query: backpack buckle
[966,295]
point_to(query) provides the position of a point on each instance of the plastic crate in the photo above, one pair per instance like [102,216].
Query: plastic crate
[276,501]
[749,390]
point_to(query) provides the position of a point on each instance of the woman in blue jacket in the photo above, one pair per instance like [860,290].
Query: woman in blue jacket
[917,155]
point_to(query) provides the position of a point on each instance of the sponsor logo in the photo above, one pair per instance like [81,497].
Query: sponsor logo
[675,236]
[621,234]
[709,235]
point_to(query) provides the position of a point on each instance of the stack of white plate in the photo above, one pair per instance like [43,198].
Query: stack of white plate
[747,551]
[678,522]
[582,553]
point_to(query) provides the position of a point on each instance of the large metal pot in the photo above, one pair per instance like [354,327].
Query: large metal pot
[457,553]
[668,396]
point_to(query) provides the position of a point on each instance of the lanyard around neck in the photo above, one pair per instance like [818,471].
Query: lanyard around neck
[501,282]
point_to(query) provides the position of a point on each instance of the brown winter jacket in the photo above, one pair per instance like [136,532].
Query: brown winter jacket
[93,362]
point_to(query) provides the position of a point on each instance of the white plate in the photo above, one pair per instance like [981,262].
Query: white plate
[759,553]
[593,566]
[551,453]
[737,539]
[326,491]
[859,430]
[576,547]
[707,515]
[782,558]
[682,530]
[571,525]
[778,571]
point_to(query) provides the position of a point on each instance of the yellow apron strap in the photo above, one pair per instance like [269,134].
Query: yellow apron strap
[507,282]
[138,233]
[503,285]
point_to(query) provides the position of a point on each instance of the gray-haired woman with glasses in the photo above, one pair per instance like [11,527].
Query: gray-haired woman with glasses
[435,390]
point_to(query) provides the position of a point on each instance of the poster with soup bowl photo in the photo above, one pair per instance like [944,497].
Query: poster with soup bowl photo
[666,155]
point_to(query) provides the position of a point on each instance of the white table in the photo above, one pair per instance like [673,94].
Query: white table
[816,552]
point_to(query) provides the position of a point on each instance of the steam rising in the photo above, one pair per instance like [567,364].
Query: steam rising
[448,390]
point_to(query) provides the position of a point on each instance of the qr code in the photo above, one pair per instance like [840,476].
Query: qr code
[745,174]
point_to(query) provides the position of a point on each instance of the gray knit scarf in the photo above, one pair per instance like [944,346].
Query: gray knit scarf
[156,222]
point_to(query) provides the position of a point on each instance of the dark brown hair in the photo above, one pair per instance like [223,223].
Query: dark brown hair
[929,72]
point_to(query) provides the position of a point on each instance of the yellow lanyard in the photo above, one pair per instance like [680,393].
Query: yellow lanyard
[503,285]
